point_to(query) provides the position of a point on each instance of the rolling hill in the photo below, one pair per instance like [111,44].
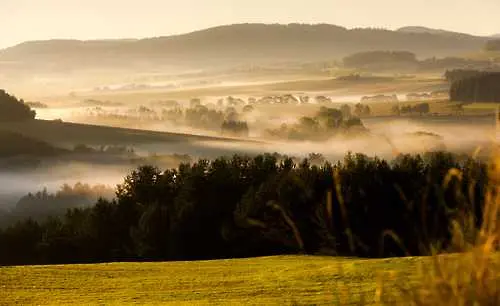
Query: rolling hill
[231,45]
[69,134]
[15,144]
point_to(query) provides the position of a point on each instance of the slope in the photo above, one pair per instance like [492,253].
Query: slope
[64,133]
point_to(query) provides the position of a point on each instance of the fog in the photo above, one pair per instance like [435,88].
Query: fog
[388,135]
[385,142]
[386,139]
[15,184]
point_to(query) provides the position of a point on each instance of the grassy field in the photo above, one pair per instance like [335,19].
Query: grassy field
[282,280]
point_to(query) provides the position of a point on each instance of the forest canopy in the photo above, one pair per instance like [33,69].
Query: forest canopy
[243,206]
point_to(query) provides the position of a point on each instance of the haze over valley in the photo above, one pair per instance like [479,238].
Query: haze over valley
[264,75]
[245,137]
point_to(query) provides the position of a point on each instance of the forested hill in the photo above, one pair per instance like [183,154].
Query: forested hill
[241,43]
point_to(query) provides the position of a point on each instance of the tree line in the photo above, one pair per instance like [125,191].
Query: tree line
[420,108]
[478,87]
[455,75]
[396,60]
[252,206]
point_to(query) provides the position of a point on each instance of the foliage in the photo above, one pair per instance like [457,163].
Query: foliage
[460,74]
[361,110]
[232,101]
[322,100]
[471,277]
[380,98]
[202,117]
[12,109]
[421,108]
[43,204]
[234,128]
[243,206]
[194,102]
[346,110]
[248,108]
[326,123]
[396,110]
[482,87]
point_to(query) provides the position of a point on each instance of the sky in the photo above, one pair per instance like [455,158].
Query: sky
[23,20]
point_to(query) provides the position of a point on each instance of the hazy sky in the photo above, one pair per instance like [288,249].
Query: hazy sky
[22,20]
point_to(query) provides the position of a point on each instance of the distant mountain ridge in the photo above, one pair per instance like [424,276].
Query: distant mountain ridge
[237,44]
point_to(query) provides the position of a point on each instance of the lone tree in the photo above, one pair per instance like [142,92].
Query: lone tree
[12,109]
[422,108]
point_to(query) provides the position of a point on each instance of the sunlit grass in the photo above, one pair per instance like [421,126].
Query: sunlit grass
[281,280]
